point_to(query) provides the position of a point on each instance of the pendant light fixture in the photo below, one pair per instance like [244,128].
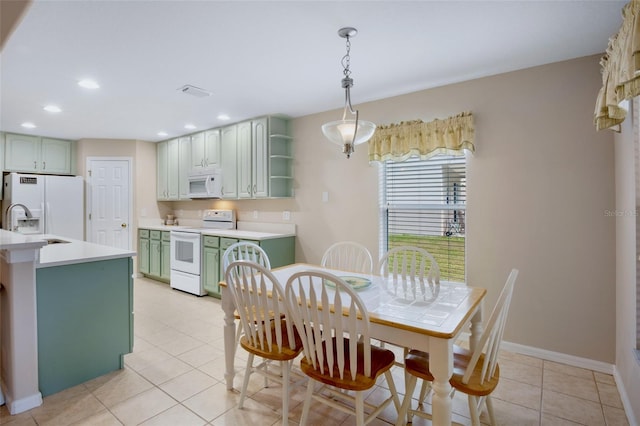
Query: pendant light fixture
[352,131]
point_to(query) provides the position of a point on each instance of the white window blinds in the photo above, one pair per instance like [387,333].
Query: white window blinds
[423,204]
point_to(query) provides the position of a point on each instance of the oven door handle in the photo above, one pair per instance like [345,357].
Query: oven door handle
[185,235]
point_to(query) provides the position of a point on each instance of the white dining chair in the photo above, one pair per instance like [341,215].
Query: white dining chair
[244,250]
[410,271]
[348,256]
[338,356]
[268,329]
[474,373]
[409,264]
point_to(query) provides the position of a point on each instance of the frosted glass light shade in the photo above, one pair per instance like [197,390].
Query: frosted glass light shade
[341,132]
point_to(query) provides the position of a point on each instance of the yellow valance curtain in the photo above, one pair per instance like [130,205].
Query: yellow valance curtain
[397,142]
[620,67]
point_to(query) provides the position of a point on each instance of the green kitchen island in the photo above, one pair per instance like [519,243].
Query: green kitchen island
[81,324]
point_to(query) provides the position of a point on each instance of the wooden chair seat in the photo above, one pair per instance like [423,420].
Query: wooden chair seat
[381,361]
[236,314]
[283,353]
[417,364]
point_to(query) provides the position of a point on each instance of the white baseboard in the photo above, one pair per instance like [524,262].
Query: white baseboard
[572,360]
[21,405]
[626,402]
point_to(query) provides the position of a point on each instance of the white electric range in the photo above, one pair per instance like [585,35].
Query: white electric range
[186,250]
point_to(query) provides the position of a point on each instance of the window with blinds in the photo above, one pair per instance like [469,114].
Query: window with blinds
[423,204]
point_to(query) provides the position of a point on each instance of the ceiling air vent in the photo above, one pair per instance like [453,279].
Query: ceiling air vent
[194,91]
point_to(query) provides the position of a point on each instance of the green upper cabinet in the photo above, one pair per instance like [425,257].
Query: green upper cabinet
[24,153]
[56,156]
[173,168]
[244,160]
[184,166]
[253,159]
[168,164]
[205,150]
[255,156]
[161,170]
[228,157]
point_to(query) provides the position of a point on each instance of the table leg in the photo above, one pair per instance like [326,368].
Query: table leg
[229,336]
[441,366]
[476,329]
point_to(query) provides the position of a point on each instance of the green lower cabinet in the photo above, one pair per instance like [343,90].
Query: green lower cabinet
[165,260]
[154,257]
[281,252]
[154,254]
[211,265]
[224,245]
[85,321]
[211,272]
[143,255]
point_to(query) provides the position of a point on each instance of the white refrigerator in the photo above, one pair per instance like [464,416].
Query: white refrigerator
[56,203]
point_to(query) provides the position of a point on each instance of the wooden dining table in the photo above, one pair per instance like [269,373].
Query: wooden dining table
[415,315]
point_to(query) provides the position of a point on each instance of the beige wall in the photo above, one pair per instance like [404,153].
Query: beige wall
[144,170]
[628,369]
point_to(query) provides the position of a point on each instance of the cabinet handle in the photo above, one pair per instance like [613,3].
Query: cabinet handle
[35,164]
[202,163]
[249,189]
[44,165]
[255,188]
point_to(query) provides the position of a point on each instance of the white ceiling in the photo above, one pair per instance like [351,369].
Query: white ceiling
[266,57]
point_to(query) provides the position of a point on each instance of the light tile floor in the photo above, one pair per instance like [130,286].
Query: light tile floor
[175,377]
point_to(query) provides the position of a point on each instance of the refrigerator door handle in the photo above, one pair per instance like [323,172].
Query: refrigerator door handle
[47,219]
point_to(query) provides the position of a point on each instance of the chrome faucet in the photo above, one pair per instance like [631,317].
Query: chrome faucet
[7,216]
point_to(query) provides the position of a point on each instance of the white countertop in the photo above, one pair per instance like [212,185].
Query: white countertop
[164,227]
[75,251]
[245,235]
[246,230]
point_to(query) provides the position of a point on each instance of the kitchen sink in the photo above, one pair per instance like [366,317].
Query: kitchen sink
[55,241]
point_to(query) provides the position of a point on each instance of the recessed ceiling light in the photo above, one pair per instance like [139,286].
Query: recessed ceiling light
[28,125]
[163,134]
[52,108]
[190,127]
[88,84]
[223,117]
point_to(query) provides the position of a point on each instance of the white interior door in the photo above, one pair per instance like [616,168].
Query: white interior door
[109,201]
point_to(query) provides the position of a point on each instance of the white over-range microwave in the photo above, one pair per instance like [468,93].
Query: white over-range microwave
[205,184]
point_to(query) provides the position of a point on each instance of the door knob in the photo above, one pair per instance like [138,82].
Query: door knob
[124,225]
